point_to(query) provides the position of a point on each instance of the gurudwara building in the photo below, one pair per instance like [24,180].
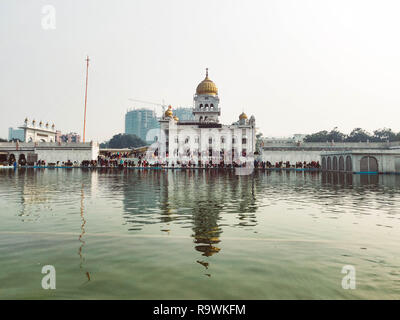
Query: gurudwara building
[204,140]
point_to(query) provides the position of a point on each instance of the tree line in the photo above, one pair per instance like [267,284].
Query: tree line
[122,140]
[356,135]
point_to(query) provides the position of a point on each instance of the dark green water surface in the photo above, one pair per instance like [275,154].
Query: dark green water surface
[115,234]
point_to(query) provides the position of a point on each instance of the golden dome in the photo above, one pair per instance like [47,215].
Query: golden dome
[207,86]
[176,118]
[242,116]
[169,113]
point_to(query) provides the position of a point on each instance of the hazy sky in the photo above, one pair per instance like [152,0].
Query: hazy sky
[298,66]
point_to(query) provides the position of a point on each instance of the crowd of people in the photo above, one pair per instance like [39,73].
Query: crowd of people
[125,160]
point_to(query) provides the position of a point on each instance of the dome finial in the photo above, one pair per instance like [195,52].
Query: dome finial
[207,86]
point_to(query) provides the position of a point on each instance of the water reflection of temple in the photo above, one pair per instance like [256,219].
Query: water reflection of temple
[190,198]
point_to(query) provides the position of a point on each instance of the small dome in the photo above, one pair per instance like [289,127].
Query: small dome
[169,113]
[207,86]
[243,116]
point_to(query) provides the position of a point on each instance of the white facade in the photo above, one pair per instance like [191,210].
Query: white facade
[68,152]
[50,152]
[38,132]
[362,161]
[205,140]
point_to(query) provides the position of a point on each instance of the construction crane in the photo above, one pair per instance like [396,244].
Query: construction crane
[162,105]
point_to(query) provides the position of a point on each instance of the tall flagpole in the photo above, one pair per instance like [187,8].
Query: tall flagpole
[84,118]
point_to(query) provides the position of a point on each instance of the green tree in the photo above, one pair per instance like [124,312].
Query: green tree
[336,136]
[3,140]
[359,135]
[121,140]
[320,136]
[324,136]
[384,134]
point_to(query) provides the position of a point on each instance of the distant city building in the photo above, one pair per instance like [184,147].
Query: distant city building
[283,140]
[184,113]
[16,134]
[140,121]
[38,132]
[71,137]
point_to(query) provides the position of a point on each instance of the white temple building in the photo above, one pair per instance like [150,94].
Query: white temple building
[38,132]
[205,140]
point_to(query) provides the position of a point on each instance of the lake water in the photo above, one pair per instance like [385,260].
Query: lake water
[157,234]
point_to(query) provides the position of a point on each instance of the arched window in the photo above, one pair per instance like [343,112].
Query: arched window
[323,163]
[210,140]
[341,163]
[201,106]
[373,164]
[368,164]
[22,159]
[329,164]
[211,106]
[348,164]
[201,118]
[335,164]
[206,106]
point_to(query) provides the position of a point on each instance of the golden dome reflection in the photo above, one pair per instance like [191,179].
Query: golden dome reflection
[207,86]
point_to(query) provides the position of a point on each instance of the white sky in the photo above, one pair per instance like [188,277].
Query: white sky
[298,66]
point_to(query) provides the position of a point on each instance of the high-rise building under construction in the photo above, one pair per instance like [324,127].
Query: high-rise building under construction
[140,121]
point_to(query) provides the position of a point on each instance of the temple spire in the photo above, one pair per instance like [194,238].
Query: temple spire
[206,72]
